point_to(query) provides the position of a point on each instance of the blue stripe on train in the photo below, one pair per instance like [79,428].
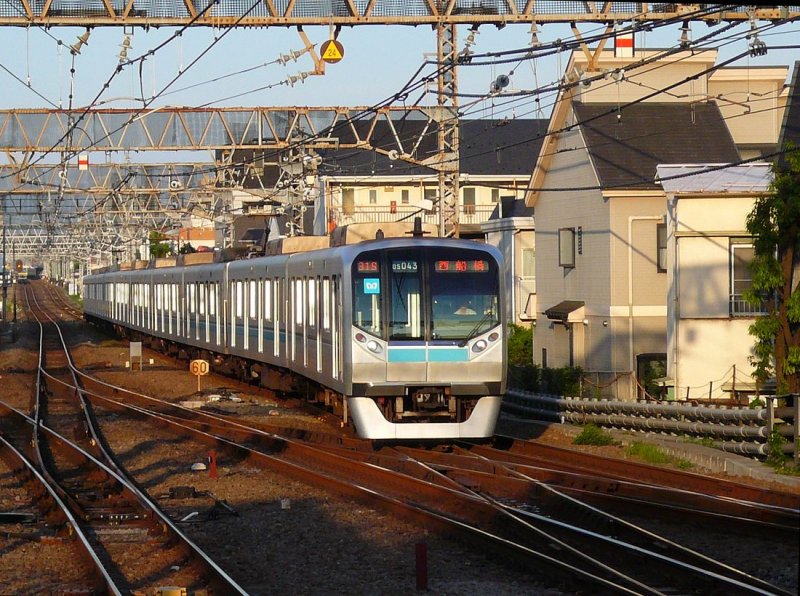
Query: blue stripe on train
[431,354]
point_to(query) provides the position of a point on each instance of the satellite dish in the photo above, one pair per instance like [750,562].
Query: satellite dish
[394,154]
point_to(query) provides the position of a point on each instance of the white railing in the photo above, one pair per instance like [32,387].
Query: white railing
[366,214]
[742,308]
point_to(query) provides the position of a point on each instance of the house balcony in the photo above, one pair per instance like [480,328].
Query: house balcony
[469,216]
[742,308]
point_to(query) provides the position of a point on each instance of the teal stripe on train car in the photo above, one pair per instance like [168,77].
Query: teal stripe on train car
[429,354]
[407,355]
[448,354]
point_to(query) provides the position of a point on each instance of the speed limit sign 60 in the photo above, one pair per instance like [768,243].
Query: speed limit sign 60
[199,367]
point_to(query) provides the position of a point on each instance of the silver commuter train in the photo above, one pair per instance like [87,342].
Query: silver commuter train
[404,336]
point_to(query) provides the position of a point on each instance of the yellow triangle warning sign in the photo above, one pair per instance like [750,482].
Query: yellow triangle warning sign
[332,51]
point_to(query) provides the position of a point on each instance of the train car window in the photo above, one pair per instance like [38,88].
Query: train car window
[212,300]
[267,300]
[312,302]
[405,295]
[326,304]
[336,325]
[192,293]
[203,291]
[253,304]
[298,301]
[276,302]
[367,293]
[464,287]
[239,299]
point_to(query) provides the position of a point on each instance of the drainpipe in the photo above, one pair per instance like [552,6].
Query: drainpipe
[673,306]
[514,283]
[631,219]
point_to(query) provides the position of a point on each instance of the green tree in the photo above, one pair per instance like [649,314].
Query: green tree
[159,247]
[774,224]
[520,345]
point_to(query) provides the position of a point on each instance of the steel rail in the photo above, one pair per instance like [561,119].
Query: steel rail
[509,448]
[74,527]
[330,471]
[698,504]
[755,511]
[51,483]
[739,582]
[519,486]
[735,578]
[218,575]
[623,526]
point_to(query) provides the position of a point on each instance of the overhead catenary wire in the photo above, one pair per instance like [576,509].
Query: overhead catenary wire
[235,164]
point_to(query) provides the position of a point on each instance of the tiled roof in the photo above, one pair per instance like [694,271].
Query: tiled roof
[488,147]
[625,150]
[751,177]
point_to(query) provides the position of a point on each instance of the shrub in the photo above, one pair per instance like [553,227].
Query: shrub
[594,435]
[562,381]
[520,345]
[649,453]
[525,378]
[776,458]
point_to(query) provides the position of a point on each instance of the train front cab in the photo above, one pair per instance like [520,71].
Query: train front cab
[427,342]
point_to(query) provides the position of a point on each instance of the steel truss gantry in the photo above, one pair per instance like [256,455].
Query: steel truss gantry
[74,209]
[266,13]
[197,129]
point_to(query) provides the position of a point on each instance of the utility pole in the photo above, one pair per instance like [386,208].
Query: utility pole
[447,157]
[5,287]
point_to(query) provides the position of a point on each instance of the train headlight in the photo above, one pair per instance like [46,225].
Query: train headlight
[479,346]
[374,347]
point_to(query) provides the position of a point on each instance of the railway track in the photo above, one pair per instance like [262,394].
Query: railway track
[502,505]
[505,497]
[123,532]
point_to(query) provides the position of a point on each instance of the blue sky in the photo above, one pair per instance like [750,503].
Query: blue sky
[378,61]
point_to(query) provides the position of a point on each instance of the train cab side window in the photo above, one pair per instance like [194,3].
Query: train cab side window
[367,294]
[405,296]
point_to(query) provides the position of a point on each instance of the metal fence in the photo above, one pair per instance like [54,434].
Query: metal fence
[734,429]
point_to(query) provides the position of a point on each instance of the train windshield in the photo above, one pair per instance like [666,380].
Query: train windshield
[419,294]
[464,294]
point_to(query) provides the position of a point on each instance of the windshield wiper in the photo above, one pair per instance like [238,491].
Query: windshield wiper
[476,330]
